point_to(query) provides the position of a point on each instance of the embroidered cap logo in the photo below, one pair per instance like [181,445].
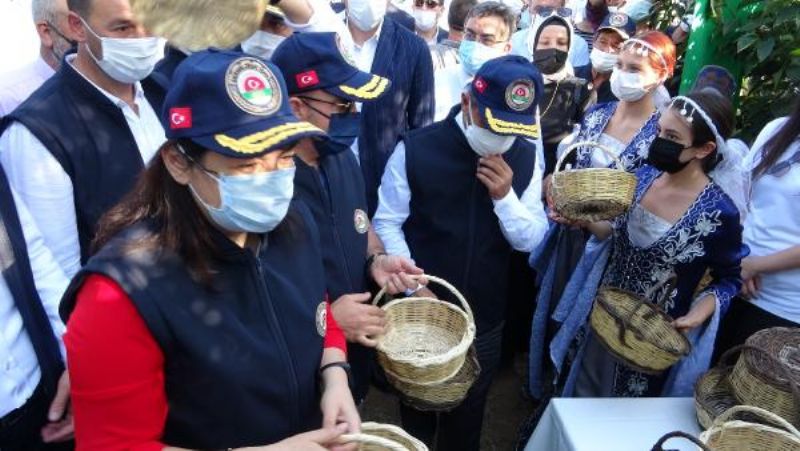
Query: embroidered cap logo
[253,87]
[519,95]
[180,118]
[307,79]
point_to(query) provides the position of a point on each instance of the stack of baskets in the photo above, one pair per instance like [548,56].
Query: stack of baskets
[591,194]
[766,375]
[427,352]
[383,437]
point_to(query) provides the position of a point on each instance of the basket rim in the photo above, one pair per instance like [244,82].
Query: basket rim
[575,146]
[777,424]
[470,359]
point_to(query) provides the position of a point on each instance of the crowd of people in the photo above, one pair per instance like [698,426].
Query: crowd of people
[191,237]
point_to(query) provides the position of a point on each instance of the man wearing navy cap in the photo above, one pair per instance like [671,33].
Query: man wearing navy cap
[323,86]
[457,197]
[615,29]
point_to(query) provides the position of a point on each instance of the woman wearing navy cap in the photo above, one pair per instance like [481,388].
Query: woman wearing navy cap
[201,322]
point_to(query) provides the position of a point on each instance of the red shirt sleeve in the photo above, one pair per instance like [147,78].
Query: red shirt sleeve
[334,336]
[116,370]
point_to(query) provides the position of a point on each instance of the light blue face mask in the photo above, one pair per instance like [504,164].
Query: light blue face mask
[254,203]
[525,20]
[473,54]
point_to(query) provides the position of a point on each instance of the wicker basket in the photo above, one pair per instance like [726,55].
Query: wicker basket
[659,446]
[592,194]
[636,331]
[443,396]
[727,434]
[427,339]
[767,374]
[712,396]
[383,437]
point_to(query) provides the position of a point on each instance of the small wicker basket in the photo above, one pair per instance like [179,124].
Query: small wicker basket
[712,396]
[427,339]
[383,437]
[637,331]
[727,434]
[592,194]
[443,396]
[767,374]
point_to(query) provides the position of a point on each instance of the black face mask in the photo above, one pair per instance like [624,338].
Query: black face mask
[665,155]
[342,131]
[550,61]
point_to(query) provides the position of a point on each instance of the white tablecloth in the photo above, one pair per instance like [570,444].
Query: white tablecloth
[613,424]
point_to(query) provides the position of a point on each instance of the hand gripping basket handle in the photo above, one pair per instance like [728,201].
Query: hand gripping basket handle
[726,356]
[578,145]
[659,446]
[442,282]
[753,410]
[368,439]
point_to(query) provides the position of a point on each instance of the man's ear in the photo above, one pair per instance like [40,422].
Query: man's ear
[298,108]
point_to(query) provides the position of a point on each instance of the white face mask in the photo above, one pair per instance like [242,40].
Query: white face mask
[603,62]
[262,44]
[366,14]
[128,60]
[628,86]
[482,141]
[425,19]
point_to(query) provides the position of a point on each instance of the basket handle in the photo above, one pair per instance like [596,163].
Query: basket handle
[578,145]
[753,410]
[442,282]
[659,446]
[369,439]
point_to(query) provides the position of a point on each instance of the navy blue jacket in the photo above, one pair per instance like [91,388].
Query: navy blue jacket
[452,230]
[604,94]
[241,357]
[90,138]
[403,58]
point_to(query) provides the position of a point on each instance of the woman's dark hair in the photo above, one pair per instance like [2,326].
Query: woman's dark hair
[779,142]
[181,226]
[720,110]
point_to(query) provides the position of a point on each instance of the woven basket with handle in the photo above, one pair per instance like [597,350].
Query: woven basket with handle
[712,396]
[383,437]
[426,339]
[772,434]
[637,331]
[659,446]
[767,373]
[442,396]
[592,194]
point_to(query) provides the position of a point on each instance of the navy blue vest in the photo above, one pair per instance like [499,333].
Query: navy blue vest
[89,137]
[241,361]
[452,230]
[19,279]
[339,209]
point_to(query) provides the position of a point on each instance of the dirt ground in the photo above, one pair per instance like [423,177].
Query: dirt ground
[506,409]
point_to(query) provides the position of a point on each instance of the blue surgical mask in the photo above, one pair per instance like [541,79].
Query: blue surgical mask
[473,54]
[342,132]
[254,203]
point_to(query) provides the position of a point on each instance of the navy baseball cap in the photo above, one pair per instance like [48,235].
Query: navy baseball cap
[507,90]
[233,104]
[619,22]
[312,61]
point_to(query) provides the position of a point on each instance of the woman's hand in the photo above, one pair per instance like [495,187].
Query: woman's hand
[337,404]
[751,276]
[698,314]
[318,440]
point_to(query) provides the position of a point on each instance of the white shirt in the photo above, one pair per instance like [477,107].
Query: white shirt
[773,225]
[46,188]
[448,84]
[19,367]
[17,85]
[522,220]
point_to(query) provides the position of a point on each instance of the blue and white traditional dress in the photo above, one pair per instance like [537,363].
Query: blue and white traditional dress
[563,247]
[647,251]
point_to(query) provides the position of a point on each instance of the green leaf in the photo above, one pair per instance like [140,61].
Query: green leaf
[746,41]
[795,52]
[764,48]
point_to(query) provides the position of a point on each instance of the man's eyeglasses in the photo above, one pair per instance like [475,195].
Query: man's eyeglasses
[547,11]
[780,169]
[428,3]
[485,40]
[342,107]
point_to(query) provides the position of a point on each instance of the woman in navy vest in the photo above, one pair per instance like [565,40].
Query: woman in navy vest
[201,322]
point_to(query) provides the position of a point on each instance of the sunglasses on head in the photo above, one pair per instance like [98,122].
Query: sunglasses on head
[547,11]
[428,3]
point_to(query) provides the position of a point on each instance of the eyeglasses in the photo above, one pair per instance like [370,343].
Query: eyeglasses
[488,41]
[780,169]
[547,11]
[428,3]
[343,107]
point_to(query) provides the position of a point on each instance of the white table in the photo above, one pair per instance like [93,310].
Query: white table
[613,424]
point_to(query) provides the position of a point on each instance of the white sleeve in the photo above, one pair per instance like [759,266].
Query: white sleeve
[323,19]
[579,52]
[46,190]
[394,197]
[49,278]
[522,219]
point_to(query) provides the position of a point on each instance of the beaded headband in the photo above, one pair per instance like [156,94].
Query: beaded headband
[643,48]
[688,114]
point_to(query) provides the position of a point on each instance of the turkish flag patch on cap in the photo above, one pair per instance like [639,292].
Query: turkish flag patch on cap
[307,79]
[480,85]
[180,118]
